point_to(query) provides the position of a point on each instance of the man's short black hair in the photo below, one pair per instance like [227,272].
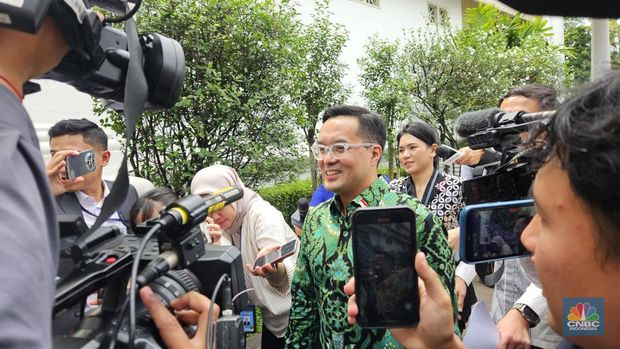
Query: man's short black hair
[92,134]
[547,96]
[371,125]
[585,136]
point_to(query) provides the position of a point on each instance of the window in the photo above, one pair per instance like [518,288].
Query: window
[438,15]
[373,3]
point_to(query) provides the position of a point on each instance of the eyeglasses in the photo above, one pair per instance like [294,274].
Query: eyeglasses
[338,150]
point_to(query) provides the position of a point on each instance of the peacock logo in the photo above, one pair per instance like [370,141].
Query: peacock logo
[584,317]
[583,312]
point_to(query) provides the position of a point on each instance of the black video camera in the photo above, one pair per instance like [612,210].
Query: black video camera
[97,61]
[503,132]
[101,263]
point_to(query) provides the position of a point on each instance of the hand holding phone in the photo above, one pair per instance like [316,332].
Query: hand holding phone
[278,255]
[386,287]
[450,155]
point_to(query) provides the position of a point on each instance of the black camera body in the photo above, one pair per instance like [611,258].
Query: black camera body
[104,266]
[512,179]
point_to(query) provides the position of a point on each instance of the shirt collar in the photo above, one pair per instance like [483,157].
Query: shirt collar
[368,197]
[86,200]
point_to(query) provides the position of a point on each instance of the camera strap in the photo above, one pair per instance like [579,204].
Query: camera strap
[136,89]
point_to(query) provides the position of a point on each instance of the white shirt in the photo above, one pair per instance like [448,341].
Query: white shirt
[264,226]
[92,209]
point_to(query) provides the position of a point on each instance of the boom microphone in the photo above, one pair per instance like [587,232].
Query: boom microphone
[474,121]
[194,209]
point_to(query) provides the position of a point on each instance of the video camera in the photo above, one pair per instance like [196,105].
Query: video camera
[175,262]
[97,61]
[498,208]
[502,132]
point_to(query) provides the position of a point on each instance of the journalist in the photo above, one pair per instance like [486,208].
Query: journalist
[574,237]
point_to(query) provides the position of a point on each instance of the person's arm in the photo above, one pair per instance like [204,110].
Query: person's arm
[304,322]
[514,328]
[191,309]
[436,328]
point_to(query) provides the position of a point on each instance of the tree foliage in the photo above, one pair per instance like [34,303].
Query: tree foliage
[384,88]
[319,83]
[446,72]
[236,107]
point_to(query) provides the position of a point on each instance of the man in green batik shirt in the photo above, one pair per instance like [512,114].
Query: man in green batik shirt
[349,147]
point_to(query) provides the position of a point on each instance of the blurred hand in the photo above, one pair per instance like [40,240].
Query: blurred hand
[191,309]
[470,157]
[513,331]
[214,230]
[266,270]
[460,287]
[436,327]
[56,170]
[453,238]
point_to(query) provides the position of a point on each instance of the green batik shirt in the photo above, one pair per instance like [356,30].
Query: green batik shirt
[325,263]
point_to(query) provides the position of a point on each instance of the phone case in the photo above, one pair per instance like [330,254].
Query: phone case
[386,308]
[464,243]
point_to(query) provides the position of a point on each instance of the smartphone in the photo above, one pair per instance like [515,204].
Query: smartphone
[492,231]
[81,164]
[287,249]
[450,155]
[386,283]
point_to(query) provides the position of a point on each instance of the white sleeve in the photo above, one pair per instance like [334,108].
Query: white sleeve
[534,298]
[465,271]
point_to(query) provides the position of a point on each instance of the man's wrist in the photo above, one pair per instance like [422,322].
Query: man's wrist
[529,316]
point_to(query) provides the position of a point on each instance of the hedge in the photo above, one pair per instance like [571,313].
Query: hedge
[284,196]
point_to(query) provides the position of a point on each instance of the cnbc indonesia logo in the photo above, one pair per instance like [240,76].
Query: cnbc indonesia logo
[583,317]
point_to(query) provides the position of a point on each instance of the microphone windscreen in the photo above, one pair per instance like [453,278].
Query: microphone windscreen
[443,152]
[474,121]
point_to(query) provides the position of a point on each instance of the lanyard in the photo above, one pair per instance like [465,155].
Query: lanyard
[120,215]
[429,188]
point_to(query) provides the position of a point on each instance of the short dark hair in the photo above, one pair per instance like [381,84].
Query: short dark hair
[92,134]
[547,96]
[585,136]
[422,131]
[371,125]
[144,205]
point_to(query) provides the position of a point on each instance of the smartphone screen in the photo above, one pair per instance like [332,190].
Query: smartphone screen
[386,284]
[81,164]
[492,231]
[277,256]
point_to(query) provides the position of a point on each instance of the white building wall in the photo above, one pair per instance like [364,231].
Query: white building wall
[389,20]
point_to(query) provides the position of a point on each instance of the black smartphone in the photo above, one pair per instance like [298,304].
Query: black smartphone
[277,256]
[81,164]
[386,283]
[492,231]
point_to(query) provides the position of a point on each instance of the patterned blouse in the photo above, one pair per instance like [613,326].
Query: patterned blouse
[445,199]
[325,263]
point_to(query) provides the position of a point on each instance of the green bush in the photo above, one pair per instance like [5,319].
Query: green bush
[284,196]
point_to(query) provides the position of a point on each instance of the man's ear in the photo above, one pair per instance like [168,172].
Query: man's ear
[105,158]
[377,151]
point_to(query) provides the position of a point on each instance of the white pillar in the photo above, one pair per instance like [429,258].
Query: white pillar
[601,58]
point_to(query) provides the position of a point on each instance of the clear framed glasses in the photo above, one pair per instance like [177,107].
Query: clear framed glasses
[338,150]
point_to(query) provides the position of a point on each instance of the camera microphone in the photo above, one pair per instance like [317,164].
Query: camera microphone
[303,207]
[194,209]
[444,152]
[474,121]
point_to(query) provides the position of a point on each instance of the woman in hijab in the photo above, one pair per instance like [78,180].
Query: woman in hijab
[440,192]
[255,228]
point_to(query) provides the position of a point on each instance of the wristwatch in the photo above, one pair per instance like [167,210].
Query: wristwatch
[528,314]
